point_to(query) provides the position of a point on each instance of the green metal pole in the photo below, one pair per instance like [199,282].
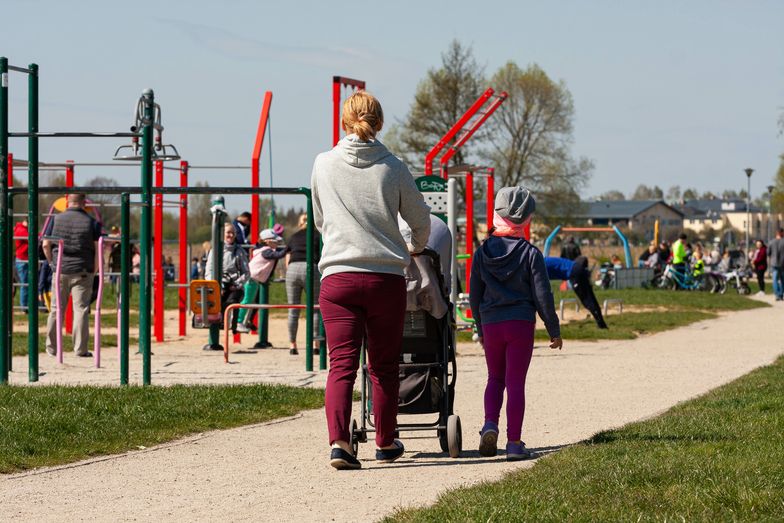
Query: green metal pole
[5,230]
[264,315]
[32,225]
[217,264]
[10,254]
[125,284]
[145,233]
[309,286]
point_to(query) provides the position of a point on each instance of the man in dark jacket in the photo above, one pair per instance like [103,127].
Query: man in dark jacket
[78,262]
[776,255]
[570,249]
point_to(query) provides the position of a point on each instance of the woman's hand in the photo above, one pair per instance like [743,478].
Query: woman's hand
[556,343]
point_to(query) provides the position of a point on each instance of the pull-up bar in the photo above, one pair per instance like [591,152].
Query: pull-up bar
[626,251]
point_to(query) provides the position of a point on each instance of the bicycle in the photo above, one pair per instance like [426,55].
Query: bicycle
[675,278]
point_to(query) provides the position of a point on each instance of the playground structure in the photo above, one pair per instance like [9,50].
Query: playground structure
[624,242]
[146,151]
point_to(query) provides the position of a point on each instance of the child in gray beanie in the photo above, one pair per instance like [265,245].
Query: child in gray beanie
[509,286]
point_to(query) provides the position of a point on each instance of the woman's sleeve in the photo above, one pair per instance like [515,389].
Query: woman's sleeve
[543,295]
[208,267]
[318,214]
[414,211]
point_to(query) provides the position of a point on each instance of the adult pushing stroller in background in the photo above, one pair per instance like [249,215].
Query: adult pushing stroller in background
[428,367]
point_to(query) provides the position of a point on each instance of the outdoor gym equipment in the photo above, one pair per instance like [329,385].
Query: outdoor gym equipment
[205,302]
[626,251]
[338,83]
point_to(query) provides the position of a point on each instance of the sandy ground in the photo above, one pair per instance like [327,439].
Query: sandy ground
[279,471]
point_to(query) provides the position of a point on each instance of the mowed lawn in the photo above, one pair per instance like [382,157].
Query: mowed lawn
[52,425]
[716,458]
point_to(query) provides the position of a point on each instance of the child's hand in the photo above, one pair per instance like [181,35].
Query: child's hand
[556,343]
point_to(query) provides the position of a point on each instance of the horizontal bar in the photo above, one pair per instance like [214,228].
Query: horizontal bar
[587,229]
[164,190]
[19,69]
[75,135]
[216,167]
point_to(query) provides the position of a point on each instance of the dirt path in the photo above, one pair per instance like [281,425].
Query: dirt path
[279,471]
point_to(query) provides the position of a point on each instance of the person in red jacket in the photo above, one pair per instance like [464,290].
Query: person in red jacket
[20,248]
[760,263]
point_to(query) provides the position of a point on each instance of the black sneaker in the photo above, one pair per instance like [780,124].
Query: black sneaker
[85,355]
[390,455]
[342,460]
[293,352]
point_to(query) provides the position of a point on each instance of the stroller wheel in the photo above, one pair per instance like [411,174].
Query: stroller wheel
[443,441]
[454,435]
[354,437]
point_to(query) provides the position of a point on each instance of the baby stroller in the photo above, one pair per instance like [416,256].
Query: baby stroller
[428,369]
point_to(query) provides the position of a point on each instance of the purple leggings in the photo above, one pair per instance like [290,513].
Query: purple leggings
[508,346]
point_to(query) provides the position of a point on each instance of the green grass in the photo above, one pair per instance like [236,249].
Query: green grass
[44,426]
[716,458]
[19,342]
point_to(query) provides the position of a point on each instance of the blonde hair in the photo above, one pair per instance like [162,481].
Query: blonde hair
[362,115]
[303,221]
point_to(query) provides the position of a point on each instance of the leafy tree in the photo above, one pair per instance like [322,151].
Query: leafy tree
[530,138]
[611,196]
[708,195]
[440,100]
[643,192]
[690,194]
[674,193]
[777,198]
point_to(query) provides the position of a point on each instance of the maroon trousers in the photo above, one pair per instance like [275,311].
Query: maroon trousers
[355,305]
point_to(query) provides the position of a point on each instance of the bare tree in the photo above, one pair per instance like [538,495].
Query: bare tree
[612,195]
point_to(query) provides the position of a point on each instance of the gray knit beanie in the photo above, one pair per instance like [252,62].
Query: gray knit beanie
[515,204]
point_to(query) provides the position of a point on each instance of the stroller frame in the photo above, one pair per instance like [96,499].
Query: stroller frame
[447,425]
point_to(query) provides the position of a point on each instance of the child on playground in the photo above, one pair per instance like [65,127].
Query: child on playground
[509,285]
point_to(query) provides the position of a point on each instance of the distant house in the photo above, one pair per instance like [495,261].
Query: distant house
[634,215]
[718,214]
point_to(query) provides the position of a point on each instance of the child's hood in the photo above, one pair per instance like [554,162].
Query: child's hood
[503,256]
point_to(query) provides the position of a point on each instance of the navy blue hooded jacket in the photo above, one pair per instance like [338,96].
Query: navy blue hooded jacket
[509,282]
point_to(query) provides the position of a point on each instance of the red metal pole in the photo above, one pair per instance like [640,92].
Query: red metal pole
[455,129]
[335,110]
[158,283]
[69,182]
[254,165]
[185,263]
[469,227]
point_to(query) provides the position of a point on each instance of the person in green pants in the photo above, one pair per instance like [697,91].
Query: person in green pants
[262,265]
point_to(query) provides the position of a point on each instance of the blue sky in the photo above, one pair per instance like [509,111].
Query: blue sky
[665,93]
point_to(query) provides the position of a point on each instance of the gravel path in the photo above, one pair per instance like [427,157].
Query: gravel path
[279,471]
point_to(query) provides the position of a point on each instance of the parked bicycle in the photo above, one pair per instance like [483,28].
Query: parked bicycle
[675,278]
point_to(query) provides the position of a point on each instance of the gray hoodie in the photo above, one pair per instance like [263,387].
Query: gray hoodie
[358,190]
[509,282]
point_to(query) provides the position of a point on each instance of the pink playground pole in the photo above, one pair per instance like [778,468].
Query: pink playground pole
[97,329]
[59,316]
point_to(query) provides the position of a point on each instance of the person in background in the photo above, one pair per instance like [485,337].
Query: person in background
[20,253]
[679,255]
[776,264]
[242,228]
[169,271]
[296,272]
[616,261]
[570,249]
[664,253]
[509,286]
[697,264]
[205,250]
[358,188]
[578,274]
[759,262]
[115,257]
[642,261]
[266,254]
[78,262]
[233,278]
[194,268]
[136,263]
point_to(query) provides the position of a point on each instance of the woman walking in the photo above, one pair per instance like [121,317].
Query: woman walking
[296,276]
[509,285]
[359,187]
[760,264]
